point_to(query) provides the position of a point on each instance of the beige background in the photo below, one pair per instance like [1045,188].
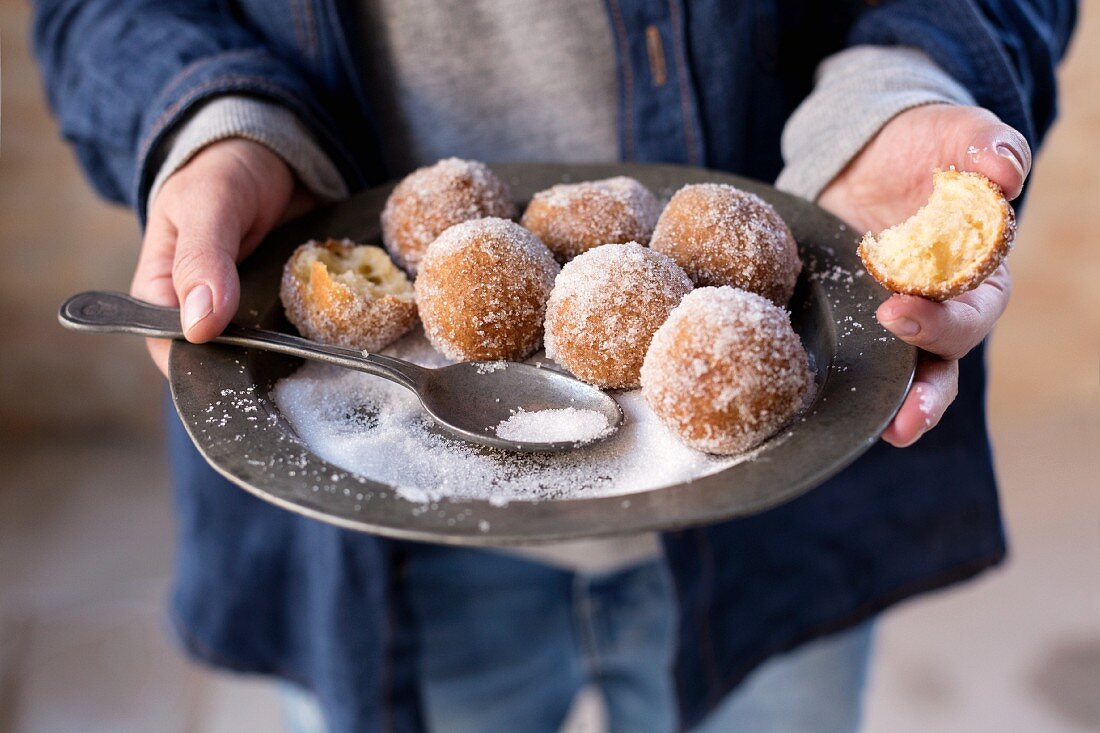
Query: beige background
[85,519]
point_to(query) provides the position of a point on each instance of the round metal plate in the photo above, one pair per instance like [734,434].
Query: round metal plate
[862,376]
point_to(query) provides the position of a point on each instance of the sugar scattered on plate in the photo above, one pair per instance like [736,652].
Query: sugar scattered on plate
[488,367]
[554,426]
[377,430]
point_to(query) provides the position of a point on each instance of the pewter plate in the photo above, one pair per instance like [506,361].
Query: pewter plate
[861,377]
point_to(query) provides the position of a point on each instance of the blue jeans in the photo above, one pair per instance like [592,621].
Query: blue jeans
[505,645]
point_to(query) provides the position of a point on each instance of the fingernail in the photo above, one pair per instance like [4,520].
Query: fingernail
[903,326]
[1012,155]
[197,306]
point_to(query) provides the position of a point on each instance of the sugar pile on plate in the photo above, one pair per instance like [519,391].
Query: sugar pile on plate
[377,430]
[553,426]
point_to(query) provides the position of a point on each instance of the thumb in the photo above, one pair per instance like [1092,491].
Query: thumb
[204,273]
[998,152]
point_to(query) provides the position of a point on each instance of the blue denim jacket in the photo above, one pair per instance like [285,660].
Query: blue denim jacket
[259,589]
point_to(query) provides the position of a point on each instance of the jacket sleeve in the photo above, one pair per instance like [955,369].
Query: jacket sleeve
[120,74]
[1003,51]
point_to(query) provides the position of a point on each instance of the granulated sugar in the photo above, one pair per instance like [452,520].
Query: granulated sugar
[553,426]
[377,430]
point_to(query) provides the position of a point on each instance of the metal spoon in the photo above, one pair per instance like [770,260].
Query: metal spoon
[468,400]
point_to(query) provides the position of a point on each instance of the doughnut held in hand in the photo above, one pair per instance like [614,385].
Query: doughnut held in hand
[725,371]
[953,243]
[605,307]
[337,292]
[571,218]
[433,198]
[722,235]
[482,290]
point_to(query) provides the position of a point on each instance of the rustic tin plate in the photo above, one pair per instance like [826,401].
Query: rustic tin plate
[862,375]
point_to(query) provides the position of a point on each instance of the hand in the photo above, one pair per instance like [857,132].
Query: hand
[889,180]
[207,217]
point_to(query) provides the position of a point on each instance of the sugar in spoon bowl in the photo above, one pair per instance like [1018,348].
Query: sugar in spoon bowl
[468,400]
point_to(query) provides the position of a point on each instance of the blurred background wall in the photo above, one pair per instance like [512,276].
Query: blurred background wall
[85,524]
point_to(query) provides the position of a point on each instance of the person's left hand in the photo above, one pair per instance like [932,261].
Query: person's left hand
[886,183]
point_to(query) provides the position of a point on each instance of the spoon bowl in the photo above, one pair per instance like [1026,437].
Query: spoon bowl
[467,400]
[475,397]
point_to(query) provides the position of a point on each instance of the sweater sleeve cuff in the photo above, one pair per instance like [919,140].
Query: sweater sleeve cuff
[263,122]
[857,92]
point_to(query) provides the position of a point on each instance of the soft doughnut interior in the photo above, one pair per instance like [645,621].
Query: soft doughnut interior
[948,237]
[367,271]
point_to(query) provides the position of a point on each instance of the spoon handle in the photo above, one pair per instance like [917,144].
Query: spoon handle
[105,312]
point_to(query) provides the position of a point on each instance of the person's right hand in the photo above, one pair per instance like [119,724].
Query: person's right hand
[206,218]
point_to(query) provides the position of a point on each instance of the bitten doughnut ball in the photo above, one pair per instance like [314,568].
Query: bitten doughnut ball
[722,235]
[605,307]
[571,218]
[725,371]
[338,292]
[482,290]
[951,245]
[430,199]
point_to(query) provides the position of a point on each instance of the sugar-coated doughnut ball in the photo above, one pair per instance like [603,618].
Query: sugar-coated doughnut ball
[725,371]
[605,307]
[338,292]
[571,218]
[482,290]
[722,235]
[430,199]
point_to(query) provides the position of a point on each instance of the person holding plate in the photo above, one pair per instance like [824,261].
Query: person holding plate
[216,121]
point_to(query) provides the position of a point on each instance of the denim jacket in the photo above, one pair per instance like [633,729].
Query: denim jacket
[259,589]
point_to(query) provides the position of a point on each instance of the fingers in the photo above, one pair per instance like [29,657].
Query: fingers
[187,261]
[935,385]
[952,328]
[204,273]
[998,152]
[153,278]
